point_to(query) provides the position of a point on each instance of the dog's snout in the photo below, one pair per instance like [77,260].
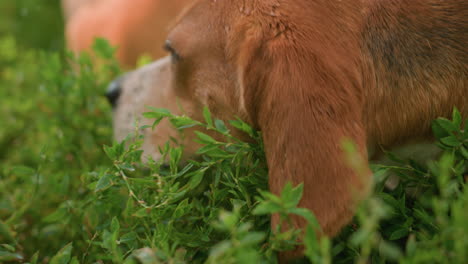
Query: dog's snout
[113,91]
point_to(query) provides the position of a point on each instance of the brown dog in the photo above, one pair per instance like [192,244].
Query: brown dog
[309,74]
[136,27]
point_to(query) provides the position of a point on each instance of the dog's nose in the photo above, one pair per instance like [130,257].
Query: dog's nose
[113,91]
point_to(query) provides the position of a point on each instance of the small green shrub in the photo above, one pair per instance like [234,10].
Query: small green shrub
[70,195]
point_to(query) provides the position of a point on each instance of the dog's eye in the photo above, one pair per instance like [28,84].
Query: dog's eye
[169,48]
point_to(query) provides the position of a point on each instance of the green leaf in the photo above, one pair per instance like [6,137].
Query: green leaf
[400,233]
[220,249]
[129,237]
[183,122]
[74,261]
[269,196]
[218,153]
[162,112]
[456,117]
[181,208]
[146,256]
[104,183]
[156,122]
[110,151]
[207,116]
[34,258]
[252,238]
[311,243]
[63,256]
[178,195]
[175,155]
[23,171]
[103,49]
[8,247]
[390,200]
[151,115]
[291,196]
[6,233]
[204,138]
[411,245]
[56,216]
[115,226]
[242,126]
[438,130]
[464,152]
[447,125]
[228,219]
[389,250]
[450,141]
[127,167]
[143,212]
[196,179]
[307,215]
[360,236]
[206,149]
[267,207]
[221,127]
[6,256]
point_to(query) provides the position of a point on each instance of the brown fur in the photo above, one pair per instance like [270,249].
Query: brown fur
[311,73]
[136,27]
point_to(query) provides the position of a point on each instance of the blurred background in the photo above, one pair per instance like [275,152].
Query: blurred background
[33,23]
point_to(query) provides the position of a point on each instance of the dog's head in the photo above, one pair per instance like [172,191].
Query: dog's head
[278,66]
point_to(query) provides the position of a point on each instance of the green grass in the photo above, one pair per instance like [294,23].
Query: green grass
[68,194]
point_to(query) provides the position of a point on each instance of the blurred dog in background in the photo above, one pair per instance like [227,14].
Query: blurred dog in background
[136,27]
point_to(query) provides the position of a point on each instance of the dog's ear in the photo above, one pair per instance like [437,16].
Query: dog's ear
[306,99]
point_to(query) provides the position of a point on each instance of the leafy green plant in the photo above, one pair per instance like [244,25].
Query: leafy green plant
[54,120]
[70,195]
